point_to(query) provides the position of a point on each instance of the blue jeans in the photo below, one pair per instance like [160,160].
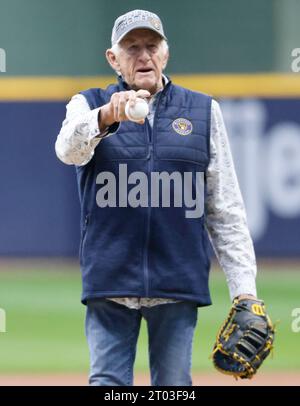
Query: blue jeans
[112,331]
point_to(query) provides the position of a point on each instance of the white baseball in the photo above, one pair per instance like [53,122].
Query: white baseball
[139,111]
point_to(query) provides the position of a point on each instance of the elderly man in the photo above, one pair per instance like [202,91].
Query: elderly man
[144,255]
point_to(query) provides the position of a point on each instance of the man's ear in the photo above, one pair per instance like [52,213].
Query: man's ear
[112,59]
[166,59]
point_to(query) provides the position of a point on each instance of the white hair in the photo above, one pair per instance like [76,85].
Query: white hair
[116,47]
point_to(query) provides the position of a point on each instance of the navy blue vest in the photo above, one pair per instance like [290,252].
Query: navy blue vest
[146,251]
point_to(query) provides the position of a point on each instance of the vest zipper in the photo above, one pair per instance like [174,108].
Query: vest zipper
[150,169]
[146,253]
[84,233]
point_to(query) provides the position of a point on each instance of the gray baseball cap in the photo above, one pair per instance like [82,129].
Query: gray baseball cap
[133,20]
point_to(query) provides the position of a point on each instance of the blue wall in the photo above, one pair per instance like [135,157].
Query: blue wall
[39,202]
[265,141]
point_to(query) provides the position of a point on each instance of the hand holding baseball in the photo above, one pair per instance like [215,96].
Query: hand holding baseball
[114,111]
[138,110]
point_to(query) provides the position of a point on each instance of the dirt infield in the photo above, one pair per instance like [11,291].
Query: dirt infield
[263,379]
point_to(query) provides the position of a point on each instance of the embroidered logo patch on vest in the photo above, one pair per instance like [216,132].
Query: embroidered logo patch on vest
[182,126]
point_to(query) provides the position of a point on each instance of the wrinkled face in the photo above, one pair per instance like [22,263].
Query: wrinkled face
[141,60]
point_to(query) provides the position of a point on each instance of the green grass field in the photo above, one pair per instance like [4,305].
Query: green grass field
[45,321]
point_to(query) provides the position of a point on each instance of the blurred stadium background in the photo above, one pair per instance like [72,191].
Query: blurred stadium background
[236,50]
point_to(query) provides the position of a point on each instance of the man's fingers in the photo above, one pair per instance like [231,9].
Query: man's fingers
[115,104]
[140,93]
[132,98]
[120,99]
[143,93]
[121,107]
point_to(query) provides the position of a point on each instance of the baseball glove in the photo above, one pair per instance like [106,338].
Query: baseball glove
[245,339]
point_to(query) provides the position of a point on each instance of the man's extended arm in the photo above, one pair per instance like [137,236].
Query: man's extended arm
[225,213]
[83,128]
[80,133]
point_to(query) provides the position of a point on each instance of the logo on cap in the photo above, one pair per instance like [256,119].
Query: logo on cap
[182,126]
[155,23]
